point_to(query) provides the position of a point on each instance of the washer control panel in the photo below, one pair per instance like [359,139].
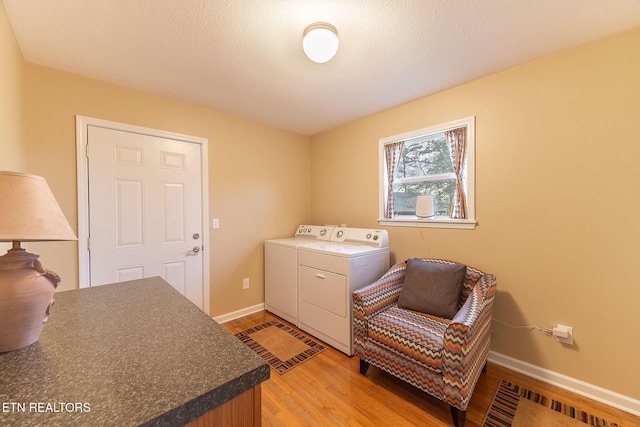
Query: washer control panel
[317,232]
[361,236]
[358,236]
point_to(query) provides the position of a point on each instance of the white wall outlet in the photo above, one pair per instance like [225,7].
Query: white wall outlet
[216,223]
[563,334]
[245,283]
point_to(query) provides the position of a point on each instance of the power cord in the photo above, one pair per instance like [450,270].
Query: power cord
[424,241]
[546,331]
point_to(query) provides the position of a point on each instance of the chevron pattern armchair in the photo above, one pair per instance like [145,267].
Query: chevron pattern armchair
[443,357]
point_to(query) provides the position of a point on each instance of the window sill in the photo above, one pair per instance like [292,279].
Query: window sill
[434,222]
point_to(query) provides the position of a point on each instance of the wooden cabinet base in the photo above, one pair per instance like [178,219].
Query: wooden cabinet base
[242,411]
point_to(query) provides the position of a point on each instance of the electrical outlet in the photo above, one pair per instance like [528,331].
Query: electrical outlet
[563,334]
[245,283]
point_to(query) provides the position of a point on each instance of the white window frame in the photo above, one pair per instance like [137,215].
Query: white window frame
[440,221]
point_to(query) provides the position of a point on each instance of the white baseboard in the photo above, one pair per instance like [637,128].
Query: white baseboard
[594,392]
[239,313]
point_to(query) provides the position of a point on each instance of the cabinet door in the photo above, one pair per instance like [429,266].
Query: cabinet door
[324,290]
[281,281]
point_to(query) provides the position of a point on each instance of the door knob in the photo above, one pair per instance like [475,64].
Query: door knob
[195,250]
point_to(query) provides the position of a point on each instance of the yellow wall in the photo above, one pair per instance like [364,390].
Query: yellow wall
[11,86]
[258,175]
[557,180]
[11,111]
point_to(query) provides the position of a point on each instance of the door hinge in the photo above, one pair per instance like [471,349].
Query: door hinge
[89,244]
[86,151]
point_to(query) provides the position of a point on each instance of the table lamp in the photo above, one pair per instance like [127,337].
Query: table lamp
[28,213]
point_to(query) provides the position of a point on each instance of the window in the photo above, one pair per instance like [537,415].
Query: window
[437,162]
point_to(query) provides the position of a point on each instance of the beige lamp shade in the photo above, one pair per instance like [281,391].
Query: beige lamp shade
[28,210]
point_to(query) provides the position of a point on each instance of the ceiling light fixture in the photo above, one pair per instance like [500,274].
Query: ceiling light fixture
[320,42]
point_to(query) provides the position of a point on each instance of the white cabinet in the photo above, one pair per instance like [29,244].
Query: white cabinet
[326,283]
[281,281]
[309,278]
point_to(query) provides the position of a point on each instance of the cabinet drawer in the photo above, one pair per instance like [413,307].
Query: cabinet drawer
[324,289]
[325,262]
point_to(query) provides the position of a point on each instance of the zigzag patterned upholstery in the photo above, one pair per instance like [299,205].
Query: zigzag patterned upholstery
[439,356]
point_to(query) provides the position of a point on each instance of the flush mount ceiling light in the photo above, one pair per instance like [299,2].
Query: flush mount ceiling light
[320,42]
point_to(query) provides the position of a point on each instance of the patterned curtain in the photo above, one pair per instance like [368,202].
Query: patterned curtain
[458,149]
[393,153]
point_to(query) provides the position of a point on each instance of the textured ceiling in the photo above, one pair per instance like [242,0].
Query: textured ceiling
[245,58]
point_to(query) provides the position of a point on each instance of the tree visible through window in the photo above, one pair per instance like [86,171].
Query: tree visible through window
[425,169]
[437,162]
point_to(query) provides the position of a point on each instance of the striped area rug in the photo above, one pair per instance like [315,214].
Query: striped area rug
[280,346]
[515,406]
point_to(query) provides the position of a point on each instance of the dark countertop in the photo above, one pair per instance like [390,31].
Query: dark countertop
[131,353]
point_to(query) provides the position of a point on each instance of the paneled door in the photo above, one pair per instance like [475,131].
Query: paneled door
[145,209]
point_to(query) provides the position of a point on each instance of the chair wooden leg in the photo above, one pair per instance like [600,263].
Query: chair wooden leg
[364,366]
[458,416]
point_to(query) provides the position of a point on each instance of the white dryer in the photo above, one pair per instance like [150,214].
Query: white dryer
[328,273]
[281,270]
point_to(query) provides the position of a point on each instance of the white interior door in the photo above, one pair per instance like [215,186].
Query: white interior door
[145,209]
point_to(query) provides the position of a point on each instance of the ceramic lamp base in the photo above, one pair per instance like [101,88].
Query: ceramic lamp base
[26,294]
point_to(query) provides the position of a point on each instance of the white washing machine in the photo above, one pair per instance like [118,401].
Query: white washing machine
[328,273]
[281,270]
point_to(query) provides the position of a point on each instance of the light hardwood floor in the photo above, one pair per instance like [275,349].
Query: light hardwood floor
[328,390]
